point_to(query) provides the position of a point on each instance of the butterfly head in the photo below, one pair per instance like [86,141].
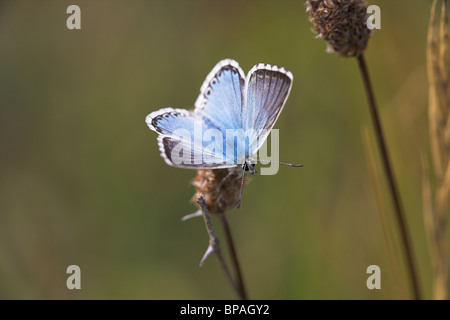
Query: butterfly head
[249,166]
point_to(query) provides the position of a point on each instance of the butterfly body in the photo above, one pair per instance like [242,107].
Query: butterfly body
[232,118]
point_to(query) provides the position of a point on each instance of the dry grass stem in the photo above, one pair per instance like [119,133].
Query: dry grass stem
[390,179]
[436,200]
[375,174]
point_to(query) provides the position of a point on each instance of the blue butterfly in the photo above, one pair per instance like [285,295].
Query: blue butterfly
[248,106]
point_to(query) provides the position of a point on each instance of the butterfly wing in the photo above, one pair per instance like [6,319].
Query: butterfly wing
[220,104]
[248,108]
[166,121]
[181,140]
[266,91]
[221,96]
[182,153]
[218,107]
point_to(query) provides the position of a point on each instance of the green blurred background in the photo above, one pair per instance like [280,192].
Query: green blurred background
[82,181]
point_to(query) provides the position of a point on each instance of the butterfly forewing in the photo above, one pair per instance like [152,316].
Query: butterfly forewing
[221,96]
[266,92]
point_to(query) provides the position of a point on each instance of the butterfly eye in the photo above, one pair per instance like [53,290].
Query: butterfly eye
[208,92]
[214,81]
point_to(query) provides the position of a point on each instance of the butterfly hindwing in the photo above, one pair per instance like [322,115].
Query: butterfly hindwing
[182,153]
[167,120]
[182,141]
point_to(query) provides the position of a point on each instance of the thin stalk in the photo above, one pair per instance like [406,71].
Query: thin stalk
[214,244]
[239,279]
[399,213]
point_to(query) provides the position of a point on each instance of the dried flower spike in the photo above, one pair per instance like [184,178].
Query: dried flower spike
[341,23]
[436,201]
[219,187]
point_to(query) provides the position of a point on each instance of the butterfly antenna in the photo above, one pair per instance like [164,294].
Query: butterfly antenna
[290,164]
[242,187]
[282,163]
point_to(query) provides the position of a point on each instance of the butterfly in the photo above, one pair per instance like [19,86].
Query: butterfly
[247,106]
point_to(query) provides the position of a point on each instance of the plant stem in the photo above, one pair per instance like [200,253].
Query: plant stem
[240,283]
[214,243]
[401,222]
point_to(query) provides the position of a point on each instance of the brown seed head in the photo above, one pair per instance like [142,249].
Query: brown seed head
[341,23]
[219,187]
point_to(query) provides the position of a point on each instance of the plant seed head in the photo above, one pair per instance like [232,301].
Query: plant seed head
[341,23]
[219,187]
